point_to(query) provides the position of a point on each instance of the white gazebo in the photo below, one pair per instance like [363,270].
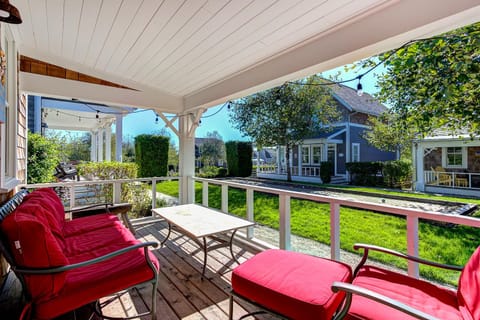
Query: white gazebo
[75,115]
[182,57]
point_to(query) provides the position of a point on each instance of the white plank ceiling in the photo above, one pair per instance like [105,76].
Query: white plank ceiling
[185,54]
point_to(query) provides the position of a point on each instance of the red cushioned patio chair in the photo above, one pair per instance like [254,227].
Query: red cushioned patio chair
[290,285]
[377,293]
[58,280]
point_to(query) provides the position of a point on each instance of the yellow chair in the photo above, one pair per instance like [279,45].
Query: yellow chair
[443,177]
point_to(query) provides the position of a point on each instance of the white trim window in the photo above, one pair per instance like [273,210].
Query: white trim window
[305,154]
[355,152]
[454,157]
[317,151]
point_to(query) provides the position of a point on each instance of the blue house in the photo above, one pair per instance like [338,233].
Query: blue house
[343,142]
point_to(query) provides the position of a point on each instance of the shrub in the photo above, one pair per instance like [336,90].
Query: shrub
[325,171]
[151,155]
[365,173]
[232,158]
[239,158]
[212,172]
[397,173]
[43,157]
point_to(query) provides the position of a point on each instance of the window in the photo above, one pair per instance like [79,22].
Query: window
[305,154]
[454,157]
[355,152]
[316,154]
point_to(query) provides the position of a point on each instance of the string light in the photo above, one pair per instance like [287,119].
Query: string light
[359,87]
[156,118]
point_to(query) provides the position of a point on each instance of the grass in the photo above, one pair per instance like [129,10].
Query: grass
[451,245]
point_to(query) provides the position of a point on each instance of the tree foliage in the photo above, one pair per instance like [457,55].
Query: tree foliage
[213,149]
[285,115]
[434,83]
[43,156]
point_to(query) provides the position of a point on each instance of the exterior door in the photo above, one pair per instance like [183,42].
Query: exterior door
[332,157]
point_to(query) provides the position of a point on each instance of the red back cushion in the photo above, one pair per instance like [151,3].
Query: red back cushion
[50,200]
[33,245]
[469,288]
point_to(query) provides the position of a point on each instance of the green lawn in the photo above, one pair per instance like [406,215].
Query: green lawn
[451,245]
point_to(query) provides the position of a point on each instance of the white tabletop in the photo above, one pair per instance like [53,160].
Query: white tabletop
[199,221]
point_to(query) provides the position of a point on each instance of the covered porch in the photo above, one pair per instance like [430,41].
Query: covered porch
[448,164]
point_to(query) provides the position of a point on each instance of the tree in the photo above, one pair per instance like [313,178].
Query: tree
[285,115]
[213,149]
[434,83]
[386,135]
[172,156]
[43,157]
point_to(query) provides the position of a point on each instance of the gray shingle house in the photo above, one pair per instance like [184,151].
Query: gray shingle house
[343,142]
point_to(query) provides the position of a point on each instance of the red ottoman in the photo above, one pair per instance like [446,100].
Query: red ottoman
[292,284]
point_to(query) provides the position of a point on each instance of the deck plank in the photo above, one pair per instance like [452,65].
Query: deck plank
[181,292]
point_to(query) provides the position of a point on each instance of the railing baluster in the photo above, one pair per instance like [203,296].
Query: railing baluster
[205,193]
[117,192]
[72,196]
[224,197]
[285,233]
[412,244]
[250,216]
[154,193]
[335,231]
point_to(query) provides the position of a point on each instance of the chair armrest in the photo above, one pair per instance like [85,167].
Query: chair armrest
[367,247]
[351,289]
[92,206]
[105,257]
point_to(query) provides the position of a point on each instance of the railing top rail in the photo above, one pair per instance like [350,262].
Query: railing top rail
[89,182]
[429,215]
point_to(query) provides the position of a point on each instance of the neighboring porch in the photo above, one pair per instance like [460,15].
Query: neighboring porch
[448,165]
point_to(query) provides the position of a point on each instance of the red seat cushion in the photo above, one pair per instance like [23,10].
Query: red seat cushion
[87,284]
[89,223]
[469,288]
[425,296]
[293,284]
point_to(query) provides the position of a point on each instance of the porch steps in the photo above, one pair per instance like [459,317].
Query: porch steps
[338,180]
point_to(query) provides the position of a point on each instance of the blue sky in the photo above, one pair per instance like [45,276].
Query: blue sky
[144,122]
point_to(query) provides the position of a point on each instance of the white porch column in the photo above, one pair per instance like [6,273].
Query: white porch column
[108,143]
[93,146]
[300,160]
[279,162]
[118,137]
[186,128]
[419,152]
[100,145]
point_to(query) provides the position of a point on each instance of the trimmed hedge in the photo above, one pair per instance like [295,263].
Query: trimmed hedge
[151,155]
[365,173]
[239,158]
[325,171]
[397,174]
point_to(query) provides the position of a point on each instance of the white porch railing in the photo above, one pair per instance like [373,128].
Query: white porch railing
[412,215]
[76,189]
[454,179]
[306,171]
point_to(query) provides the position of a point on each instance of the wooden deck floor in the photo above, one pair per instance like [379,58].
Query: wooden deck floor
[182,294]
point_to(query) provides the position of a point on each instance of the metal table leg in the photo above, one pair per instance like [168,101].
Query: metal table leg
[231,246]
[168,234]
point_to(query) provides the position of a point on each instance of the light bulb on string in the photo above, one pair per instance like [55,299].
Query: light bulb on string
[156,118]
[359,87]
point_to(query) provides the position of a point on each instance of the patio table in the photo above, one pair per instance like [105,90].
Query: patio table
[199,223]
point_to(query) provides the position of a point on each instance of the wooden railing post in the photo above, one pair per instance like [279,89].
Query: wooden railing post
[154,193]
[412,245]
[205,193]
[250,216]
[335,231]
[225,198]
[117,192]
[72,196]
[285,232]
